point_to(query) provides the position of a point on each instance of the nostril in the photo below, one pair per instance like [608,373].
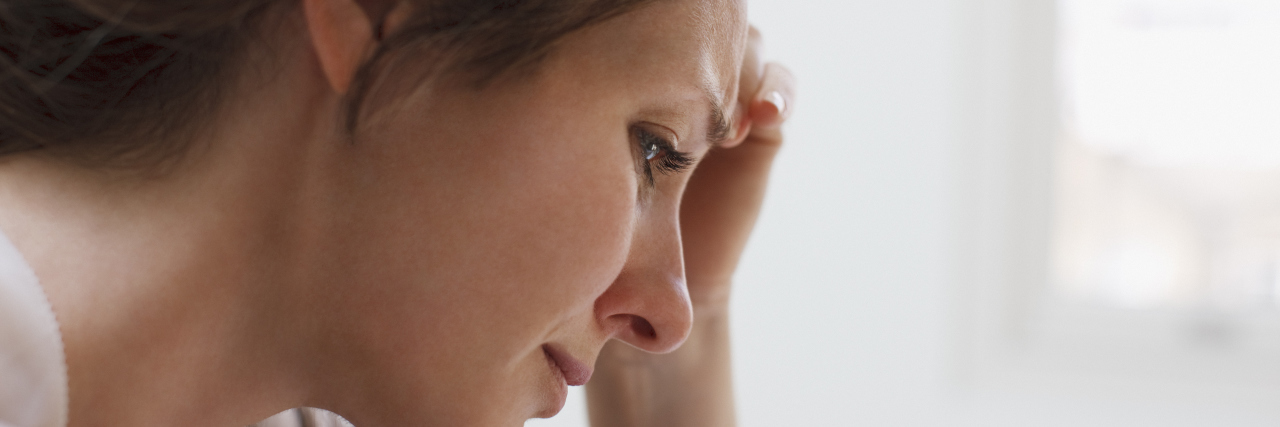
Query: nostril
[643,328]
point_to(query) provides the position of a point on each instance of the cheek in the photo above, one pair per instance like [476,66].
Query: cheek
[476,234]
[499,230]
[554,215]
[565,228]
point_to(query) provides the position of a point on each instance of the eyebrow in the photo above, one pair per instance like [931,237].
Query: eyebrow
[718,126]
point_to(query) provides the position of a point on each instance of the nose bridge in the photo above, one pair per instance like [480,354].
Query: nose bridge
[648,304]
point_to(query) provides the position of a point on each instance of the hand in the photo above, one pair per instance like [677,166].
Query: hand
[724,194]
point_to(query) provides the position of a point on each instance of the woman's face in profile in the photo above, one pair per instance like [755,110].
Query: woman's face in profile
[504,235]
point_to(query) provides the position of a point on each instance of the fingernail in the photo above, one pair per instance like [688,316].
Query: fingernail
[777,100]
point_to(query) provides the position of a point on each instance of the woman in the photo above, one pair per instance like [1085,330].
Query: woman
[434,212]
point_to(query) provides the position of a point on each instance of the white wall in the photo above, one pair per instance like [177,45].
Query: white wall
[850,304]
[841,311]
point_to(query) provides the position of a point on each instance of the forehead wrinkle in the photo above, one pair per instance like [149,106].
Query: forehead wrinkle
[718,83]
[718,126]
[714,89]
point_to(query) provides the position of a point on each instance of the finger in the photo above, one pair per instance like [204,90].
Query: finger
[749,78]
[752,70]
[773,103]
[770,107]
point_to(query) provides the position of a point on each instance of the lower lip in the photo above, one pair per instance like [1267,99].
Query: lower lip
[561,387]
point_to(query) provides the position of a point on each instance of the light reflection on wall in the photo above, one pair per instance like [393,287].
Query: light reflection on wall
[1168,173]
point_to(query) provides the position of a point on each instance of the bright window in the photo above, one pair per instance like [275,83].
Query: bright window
[1167,177]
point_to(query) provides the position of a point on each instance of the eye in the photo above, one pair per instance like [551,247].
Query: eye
[658,153]
[652,150]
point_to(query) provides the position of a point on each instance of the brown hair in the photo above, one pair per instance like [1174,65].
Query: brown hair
[125,81]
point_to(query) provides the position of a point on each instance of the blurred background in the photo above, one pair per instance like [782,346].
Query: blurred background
[1017,213]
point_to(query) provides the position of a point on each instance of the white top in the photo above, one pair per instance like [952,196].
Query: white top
[304,417]
[33,367]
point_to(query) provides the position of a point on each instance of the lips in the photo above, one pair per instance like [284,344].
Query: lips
[575,372]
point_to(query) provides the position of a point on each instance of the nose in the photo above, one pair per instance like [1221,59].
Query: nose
[648,304]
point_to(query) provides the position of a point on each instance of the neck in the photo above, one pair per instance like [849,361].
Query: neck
[181,298]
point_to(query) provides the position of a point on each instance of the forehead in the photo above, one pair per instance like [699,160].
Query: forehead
[692,43]
[712,30]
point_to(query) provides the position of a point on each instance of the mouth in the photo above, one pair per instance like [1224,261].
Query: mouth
[573,371]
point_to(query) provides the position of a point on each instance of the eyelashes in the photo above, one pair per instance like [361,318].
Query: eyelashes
[659,154]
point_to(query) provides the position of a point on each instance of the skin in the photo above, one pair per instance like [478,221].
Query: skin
[415,276]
